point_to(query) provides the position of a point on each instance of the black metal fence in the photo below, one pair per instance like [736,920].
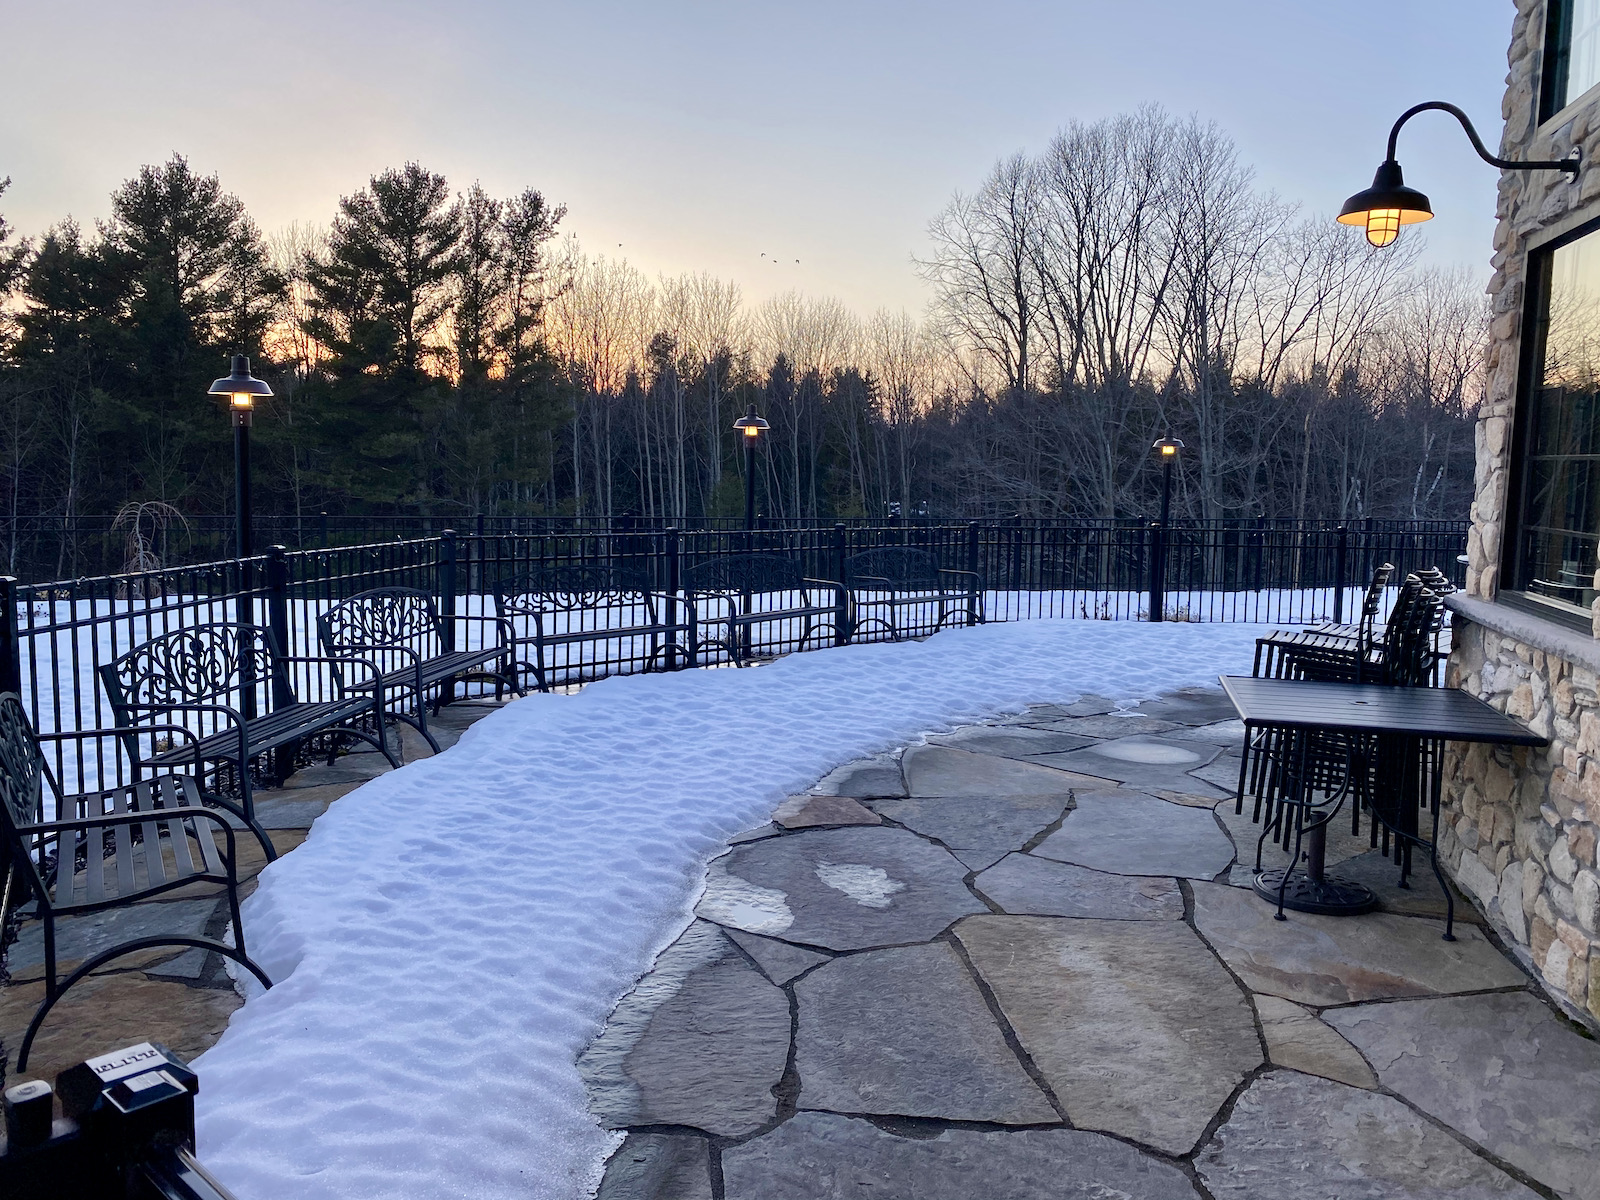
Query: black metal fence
[55,636]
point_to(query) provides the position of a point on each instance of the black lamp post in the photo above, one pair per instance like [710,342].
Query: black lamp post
[241,388]
[1389,203]
[1167,450]
[750,428]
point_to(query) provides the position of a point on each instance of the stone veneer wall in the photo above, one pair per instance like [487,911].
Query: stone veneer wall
[1519,829]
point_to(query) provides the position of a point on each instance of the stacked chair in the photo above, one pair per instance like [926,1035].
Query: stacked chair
[1294,775]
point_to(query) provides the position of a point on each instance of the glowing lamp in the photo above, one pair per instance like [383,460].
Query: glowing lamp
[750,425]
[1385,206]
[241,388]
[1167,448]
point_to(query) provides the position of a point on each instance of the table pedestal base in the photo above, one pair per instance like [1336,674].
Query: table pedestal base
[1329,895]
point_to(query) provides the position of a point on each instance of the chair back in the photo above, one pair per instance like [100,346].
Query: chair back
[1408,642]
[905,567]
[385,626]
[22,776]
[217,663]
[734,573]
[581,590]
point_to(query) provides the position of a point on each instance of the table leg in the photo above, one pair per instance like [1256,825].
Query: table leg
[1313,890]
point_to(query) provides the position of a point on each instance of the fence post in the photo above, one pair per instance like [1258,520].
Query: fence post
[447,587]
[842,629]
[278,622]
[10,649]
[973,607]
[1341,563]
[322,522]
[1158,571]
[674,583]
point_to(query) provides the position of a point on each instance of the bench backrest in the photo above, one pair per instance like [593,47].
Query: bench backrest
[387,618]
[575,587]
[902,566]
[744,573]
[22,775]
[217,663]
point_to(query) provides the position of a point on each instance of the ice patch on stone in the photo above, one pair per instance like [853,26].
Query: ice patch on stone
[868,886]
[1155,754]
[740,904]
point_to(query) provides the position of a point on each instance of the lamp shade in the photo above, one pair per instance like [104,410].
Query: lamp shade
[750,425]
[1167,447]
[240,383]
[1386,205]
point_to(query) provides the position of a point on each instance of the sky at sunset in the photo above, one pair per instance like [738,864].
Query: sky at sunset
[700,136]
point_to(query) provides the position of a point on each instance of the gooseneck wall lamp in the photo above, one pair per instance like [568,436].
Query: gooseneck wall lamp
[1389,203]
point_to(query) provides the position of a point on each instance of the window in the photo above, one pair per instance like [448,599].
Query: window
[1558,520]
[1571,54]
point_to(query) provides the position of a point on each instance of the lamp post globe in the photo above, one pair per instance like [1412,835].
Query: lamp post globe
[750,427]
[241,388]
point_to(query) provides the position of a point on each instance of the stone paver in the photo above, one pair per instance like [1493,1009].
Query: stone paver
[978,830]
[1228,734]
[83,937]
[1142,761]
[779,961]
[864,779]
[1134,1024]
[1295,1137]
[1027,886]
[843,889]
[1322,960]
[1112,725]
[943,771]
[933,1050]
[1129,833]
[1011,742]
[1499,1068]
[806,812]
[701,1041]
[819,1156]
[1297,1040]
[1190,706]
[658,1166]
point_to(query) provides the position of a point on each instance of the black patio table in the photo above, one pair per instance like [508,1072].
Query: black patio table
[1360,715]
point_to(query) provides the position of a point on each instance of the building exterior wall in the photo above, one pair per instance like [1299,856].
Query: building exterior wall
[1519,827]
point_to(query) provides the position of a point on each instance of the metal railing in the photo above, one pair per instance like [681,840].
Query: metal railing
[54,637]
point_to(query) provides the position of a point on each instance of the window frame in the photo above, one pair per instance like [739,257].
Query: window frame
[1530,367]
[1555,59]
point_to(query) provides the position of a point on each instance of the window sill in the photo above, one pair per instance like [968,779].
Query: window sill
[1532,629]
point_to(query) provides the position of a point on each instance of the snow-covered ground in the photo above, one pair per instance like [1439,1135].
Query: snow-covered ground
[452,935]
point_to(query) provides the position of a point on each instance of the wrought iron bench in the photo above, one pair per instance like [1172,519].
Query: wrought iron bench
[890,580]
[122,845]
[567,605]
[738,592]
[401,631]
[233,682]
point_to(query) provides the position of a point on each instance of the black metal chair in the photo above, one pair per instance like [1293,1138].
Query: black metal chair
[233,681]
[401,632]
[1329,650]
[568,606]
[891,580]
[122,845]
[739,592]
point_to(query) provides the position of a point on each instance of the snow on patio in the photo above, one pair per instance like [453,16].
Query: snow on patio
[452,935]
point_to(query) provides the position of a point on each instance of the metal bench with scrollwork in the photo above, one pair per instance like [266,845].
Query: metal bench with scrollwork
[230,684]
[107,849]
[402,632]
[731,596]
[560,610]
[890,583]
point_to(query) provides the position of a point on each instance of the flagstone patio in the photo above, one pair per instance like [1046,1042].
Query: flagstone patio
[1022,960]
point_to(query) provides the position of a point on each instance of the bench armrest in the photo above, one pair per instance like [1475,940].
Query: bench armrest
[120,731]
[377,675]
[972,575]
[507,633]
[234,716]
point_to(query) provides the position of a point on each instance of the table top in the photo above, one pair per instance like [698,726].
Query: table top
[1373,708]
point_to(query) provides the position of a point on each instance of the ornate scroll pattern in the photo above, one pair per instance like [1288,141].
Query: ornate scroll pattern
[21,764]
[202,664]
[745,573]
[570,587]
[903,566]
[381,617]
